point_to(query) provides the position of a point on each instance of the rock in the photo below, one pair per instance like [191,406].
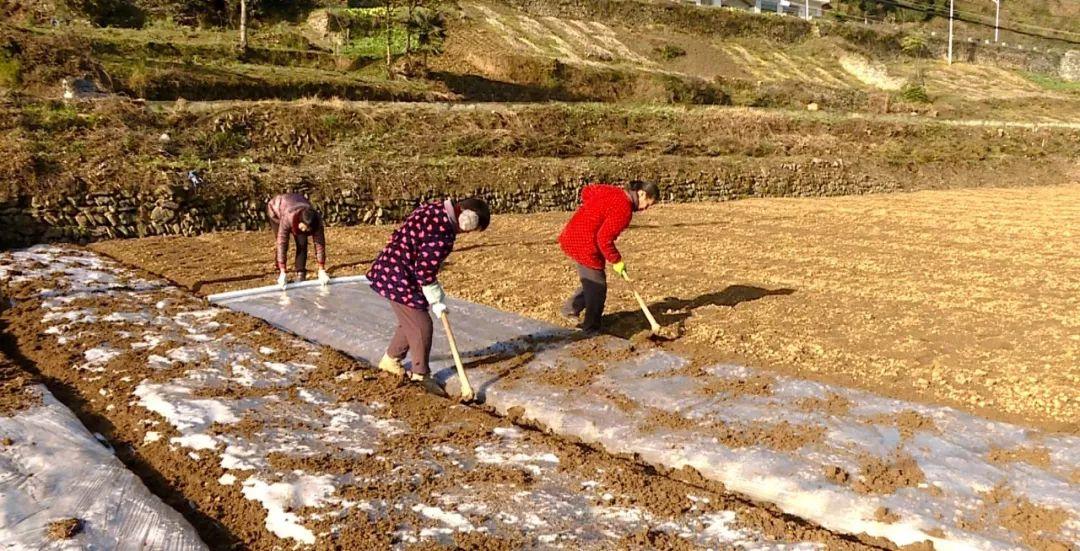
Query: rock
[160,214]
[164,137]
[80,88]
[812,107]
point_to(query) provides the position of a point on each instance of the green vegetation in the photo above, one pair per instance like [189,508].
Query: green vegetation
[1053,84]
[429,28]
[373,46]
[54,117]
[915,45]
[224,143]
[10,70]
[914,92]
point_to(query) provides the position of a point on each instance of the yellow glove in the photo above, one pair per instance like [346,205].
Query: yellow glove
[620,268]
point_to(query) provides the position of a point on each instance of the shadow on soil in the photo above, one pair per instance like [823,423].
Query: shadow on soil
[509,355]
[673,310]
[478,88]
[216,535]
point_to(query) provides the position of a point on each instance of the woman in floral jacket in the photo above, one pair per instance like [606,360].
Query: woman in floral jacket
[406,274]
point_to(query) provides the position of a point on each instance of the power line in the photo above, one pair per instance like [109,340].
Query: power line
[1028,25]
[942,12]
[945,14]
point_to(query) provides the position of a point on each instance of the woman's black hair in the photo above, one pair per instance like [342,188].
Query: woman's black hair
[652,191]
[480,207]
[311,218]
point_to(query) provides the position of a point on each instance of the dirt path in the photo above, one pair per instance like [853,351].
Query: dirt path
[966,298]
[259,438]
[405,107]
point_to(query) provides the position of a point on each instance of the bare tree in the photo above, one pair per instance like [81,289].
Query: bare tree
[389,35]
[243,25]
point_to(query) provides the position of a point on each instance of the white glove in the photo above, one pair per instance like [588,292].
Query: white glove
[324,277]
[434,293]
[439,309]
[282,279]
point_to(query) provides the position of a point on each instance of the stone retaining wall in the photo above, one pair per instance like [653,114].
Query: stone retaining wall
[1070,66]
[175,209]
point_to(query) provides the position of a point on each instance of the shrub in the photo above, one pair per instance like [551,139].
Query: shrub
[914,45]
[914,92]
[691,91]
[111,13]
[225,143]
[669,52]
[53,116]
[141,79]
[10,70]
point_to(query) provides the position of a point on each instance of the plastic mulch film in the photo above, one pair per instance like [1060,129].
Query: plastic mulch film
[54,470]
[849,460]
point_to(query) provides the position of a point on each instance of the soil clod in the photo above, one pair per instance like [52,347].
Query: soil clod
[65,529]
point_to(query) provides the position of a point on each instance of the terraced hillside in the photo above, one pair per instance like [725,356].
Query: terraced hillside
[789,63]
[520,50]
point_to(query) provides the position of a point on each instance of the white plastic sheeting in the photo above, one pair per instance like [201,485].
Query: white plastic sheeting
[165,329]
[949,508]
[55,470]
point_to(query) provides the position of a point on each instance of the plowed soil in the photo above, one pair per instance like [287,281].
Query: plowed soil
[967,298]
[227,520]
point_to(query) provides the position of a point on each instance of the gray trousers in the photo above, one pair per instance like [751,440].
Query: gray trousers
[413,334]
[590,297]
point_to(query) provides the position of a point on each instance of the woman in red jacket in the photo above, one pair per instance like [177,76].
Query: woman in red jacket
[589,240]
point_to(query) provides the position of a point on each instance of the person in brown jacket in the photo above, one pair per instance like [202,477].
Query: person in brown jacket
[292,215]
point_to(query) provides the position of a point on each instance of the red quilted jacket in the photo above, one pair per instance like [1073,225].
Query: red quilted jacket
[589,237]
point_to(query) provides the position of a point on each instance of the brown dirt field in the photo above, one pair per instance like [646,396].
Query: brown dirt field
[967,298]
[226,520]
[16,392]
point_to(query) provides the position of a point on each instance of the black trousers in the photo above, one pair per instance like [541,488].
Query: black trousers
[590,298]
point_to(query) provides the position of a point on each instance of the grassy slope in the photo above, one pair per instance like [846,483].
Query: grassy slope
[399,151]
[526,50]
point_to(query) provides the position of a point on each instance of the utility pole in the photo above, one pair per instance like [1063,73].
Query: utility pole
[997,19]
[952,5]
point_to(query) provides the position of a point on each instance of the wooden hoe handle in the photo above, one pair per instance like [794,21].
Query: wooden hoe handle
[644,308]
[467,394]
